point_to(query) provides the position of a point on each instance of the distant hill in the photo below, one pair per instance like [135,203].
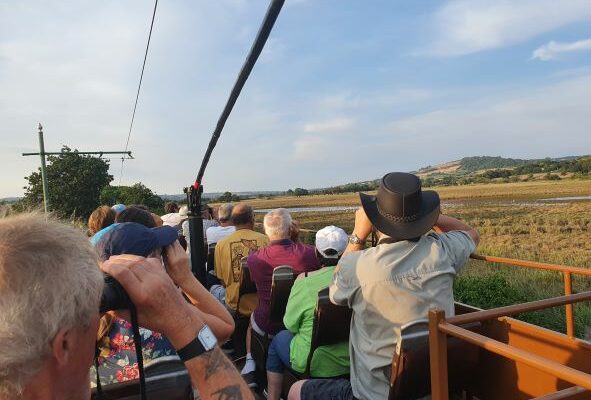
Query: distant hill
[481,163]
[485,169]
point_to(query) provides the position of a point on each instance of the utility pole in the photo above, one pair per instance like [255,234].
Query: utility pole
[43,167]
[42,155]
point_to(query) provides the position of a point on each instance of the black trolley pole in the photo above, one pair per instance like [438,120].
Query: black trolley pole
[197,244]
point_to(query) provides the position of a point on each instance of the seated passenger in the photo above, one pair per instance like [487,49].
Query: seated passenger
[100,218]
[215,233]
[291,347]
[49,303]
[138,215]
[117,357]
[399,280]
[208,222]
[229,252]
[280,251]
[171,216]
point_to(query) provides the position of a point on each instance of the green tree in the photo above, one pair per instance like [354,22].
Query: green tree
[134,194]
[227,197]
[74,183]
[300,192]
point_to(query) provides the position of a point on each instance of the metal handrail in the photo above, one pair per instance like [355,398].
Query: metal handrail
[532,264]
[519,308]
[566,270]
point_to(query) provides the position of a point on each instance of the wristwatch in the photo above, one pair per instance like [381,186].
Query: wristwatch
[354,239]
[204,342]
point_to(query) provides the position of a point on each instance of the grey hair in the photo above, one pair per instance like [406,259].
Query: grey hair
[277,223]
[49,280]
[225,212]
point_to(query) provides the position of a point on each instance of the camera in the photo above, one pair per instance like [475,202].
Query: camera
[114,297]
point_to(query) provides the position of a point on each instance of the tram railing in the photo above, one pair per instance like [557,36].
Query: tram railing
[440,328]
[567,272]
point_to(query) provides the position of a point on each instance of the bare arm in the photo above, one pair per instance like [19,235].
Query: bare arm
[362,230]
[446,223]
[213,313]
[161,308]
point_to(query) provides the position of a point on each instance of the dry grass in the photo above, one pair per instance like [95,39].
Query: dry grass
[518,190]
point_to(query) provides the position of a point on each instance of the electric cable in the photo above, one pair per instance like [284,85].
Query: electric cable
[138,88]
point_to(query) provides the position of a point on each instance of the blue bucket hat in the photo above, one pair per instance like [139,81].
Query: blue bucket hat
[133,238]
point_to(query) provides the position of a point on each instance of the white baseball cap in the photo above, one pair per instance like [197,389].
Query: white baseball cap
[331,237]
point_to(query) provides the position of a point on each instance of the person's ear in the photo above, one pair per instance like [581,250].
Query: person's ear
[63,346]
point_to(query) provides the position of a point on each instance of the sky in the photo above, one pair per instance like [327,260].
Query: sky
[345,90]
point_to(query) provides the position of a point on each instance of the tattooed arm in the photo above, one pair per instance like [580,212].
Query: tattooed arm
[215,377]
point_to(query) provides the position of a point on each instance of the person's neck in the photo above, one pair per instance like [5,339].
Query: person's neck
[278,238]
[225,224]
[41,387]
[247,226]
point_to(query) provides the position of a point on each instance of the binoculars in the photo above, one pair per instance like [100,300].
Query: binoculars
[114,297]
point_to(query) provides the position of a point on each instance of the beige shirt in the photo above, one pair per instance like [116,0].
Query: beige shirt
[390,285]
[228,253]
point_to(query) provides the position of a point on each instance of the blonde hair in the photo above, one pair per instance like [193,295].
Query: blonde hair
[49,280]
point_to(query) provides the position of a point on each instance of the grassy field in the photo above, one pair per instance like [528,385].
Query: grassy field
[512,224]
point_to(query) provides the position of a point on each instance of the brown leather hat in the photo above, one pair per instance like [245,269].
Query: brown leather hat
[401,209]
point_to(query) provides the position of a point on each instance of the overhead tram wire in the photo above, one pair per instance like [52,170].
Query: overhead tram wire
[137,96]
[194,191]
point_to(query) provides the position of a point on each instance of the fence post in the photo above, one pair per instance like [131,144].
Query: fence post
[570,319]
[438,356]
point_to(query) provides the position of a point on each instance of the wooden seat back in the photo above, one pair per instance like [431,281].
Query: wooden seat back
[282,282]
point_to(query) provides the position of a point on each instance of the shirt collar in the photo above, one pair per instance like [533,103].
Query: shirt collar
[281,241]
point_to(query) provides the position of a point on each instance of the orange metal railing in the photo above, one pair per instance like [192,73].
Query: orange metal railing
[567,272]
[440,328]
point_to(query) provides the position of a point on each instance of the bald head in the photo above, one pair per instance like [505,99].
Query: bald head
[242,216]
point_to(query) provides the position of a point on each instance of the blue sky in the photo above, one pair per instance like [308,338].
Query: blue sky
[345,90]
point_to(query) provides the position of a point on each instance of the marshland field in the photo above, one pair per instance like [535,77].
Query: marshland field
[546,221]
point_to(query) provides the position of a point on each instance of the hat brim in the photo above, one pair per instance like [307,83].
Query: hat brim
[404,230]
[165,235]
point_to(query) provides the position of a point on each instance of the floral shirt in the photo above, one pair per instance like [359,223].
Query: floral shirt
[117,359]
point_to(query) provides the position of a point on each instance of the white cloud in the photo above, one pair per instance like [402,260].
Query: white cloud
[552,49]
[309,148]
[469,26]
[532,125]
[332,125]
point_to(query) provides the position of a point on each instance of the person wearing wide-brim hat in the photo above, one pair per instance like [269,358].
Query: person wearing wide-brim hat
[409,271]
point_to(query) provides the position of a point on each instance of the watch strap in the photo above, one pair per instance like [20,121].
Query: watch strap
[194,348]
[354,239]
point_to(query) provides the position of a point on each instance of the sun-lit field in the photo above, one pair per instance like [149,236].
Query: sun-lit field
[512,223]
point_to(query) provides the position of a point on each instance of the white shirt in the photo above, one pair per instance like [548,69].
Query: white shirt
[215,233]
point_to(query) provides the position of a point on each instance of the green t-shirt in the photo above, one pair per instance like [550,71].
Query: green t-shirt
[328,361]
